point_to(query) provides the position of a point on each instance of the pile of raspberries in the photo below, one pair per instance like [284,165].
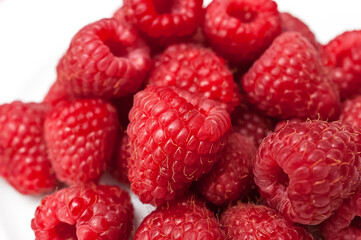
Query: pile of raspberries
[232,120]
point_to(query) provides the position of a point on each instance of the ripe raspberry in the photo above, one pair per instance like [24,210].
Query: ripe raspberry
[343,55]
[307,169]
[283,124]
[351,112]
[345,223]
[80,137]
[84,213]
[248,221]
[24,161]
[166,21]
[119,165]
[251,123]
[56,94]
[231,177]
[241,30]
[175,137]
[289,81]
[197,70]
[105,59]
[292,23]
[181,219]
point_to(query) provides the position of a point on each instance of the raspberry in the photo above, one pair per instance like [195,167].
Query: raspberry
[175,137]
[289,81]
[345,223]
[180,219]
[241,30]
[84,213]
[24,161]
[292,23]
[56,94]
[282,124]
[105,59]
[197,70]
[119,165]
[249,221]
[166,21]
[251,123]
[351,112]
[305,170]
[342,55]
[80,137]
[231,177]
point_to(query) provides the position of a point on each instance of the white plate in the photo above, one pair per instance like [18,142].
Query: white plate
[35,33]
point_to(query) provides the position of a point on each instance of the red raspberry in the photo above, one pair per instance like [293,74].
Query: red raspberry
[80,137]
[119,165]
[248,221]
[84,213]
[24,161]
[343,56]
[181,219]
[251,123]
[105,59]
[289,81]
[292,23]
[241,30]
[307,169]
[56,94]
[283,124]
[175,137]
[345,223]
[351,112]
[197,70]
[231,177]
[166,21]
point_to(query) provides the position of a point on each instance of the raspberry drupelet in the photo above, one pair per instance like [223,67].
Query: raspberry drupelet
[175,137]
[105,59]
[305,170]
[84,213]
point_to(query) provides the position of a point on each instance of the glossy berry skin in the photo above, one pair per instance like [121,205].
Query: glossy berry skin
[166,21]
[231,177]
[175,137]
[289,81]
[24,161]
[80,136]
[292,23]
[249,221]
[105,59]
[241,30]
[56,94]
[197,70]
[345,223]
[351,112]
[84,213]
[119,165]
[343,56]
[305,170]
[180,219]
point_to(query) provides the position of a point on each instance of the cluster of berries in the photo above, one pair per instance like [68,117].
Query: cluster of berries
[233,120]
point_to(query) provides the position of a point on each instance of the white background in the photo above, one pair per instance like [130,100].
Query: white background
[35,33]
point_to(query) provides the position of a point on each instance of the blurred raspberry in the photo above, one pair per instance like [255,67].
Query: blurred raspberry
[56,94]
[351,112]
[119,164]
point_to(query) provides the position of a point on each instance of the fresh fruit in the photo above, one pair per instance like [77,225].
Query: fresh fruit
[305,170]
[185,218]
[241,30]
[343,56]
[249,221]
[24,161]
[119,164]
[351,112]
[284,123]
[80,136]
[231,177]
[84,213]
[292,23]
[289,81]
[166,21]
[197,70]
[105,59]
[56,94]
[175,137]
